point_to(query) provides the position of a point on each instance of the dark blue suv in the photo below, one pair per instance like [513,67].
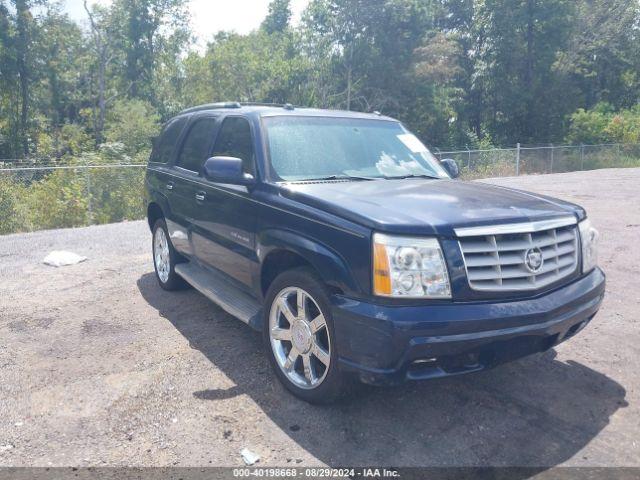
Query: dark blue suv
[354,250]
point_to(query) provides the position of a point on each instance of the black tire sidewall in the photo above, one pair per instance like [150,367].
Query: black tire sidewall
[332,387]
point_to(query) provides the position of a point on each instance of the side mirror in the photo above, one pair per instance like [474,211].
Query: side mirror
[451,167]
[226,170]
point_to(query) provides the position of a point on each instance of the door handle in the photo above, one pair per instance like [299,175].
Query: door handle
[170,186]
[200,196]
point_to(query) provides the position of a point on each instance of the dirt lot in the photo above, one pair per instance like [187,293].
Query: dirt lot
[98,366]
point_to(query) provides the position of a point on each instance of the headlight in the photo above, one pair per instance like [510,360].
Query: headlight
[589,240]
[409,268]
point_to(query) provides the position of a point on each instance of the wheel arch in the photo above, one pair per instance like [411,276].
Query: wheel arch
[283,250]
[154,213]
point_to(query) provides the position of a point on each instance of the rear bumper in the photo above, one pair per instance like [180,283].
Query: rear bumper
[384,344]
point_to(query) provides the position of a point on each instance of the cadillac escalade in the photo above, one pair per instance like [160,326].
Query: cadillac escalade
[356,252]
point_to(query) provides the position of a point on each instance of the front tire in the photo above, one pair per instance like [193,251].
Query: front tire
[165,259]
[300,338]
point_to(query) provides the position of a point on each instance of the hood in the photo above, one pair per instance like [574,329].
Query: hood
[423,206]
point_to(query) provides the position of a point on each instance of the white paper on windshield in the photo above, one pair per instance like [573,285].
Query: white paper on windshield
[412,142]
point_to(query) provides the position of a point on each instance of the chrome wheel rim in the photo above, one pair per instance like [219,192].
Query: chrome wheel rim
[299,338]
[161,255]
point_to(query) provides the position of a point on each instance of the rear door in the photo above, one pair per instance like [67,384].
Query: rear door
[194,151]
[160,174]
[223,229]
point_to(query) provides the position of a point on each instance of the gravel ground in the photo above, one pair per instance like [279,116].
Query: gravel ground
[98,366]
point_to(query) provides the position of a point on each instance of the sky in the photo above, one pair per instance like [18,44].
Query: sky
[210,16]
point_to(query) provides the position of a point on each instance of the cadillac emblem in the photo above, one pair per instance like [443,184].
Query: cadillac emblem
[533,260]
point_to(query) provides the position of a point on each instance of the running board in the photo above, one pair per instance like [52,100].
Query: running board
[219,290]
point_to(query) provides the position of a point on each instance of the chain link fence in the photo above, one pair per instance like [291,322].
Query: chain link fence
[535,160]
[43,194]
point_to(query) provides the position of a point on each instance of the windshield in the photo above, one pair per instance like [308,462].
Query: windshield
[305,148]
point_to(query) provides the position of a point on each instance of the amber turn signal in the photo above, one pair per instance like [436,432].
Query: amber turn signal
[381,273]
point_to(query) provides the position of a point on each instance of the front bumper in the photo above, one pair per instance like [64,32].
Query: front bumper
[385,344]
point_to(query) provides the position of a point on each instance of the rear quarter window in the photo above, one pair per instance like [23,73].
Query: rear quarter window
[165,145]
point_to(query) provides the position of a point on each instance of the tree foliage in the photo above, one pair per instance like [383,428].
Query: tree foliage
[458,72]
[604,125]
[277,20]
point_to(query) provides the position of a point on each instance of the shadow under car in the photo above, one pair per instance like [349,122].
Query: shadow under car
[535,412]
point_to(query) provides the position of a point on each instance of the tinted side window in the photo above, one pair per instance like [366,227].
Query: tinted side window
[196,145]
[234,140]
[165,145]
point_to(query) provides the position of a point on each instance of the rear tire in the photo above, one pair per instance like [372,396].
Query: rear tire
[300,341]
[165,259]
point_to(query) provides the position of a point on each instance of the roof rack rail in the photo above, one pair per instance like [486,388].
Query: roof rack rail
[286,106]
[211,106]
[260,104]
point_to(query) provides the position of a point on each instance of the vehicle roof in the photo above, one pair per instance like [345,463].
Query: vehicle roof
[281,110]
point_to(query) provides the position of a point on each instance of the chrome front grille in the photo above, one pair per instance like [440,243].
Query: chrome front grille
[526,256]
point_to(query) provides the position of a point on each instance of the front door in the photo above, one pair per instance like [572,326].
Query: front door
[223,229]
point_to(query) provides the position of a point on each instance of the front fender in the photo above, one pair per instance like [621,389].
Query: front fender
[330,265]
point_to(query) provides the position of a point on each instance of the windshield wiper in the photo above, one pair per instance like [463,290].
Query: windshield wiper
[411,175]
[345,176]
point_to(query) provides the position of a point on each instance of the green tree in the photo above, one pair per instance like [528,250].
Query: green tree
[340,27]
[602,58]
[133,123]
[603,124]
[24,28]
[277,20]
[9,134]
[103,45]
[515,67]
[373,56]
[17,37]
[61,98]
[257,67]
[149,28]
